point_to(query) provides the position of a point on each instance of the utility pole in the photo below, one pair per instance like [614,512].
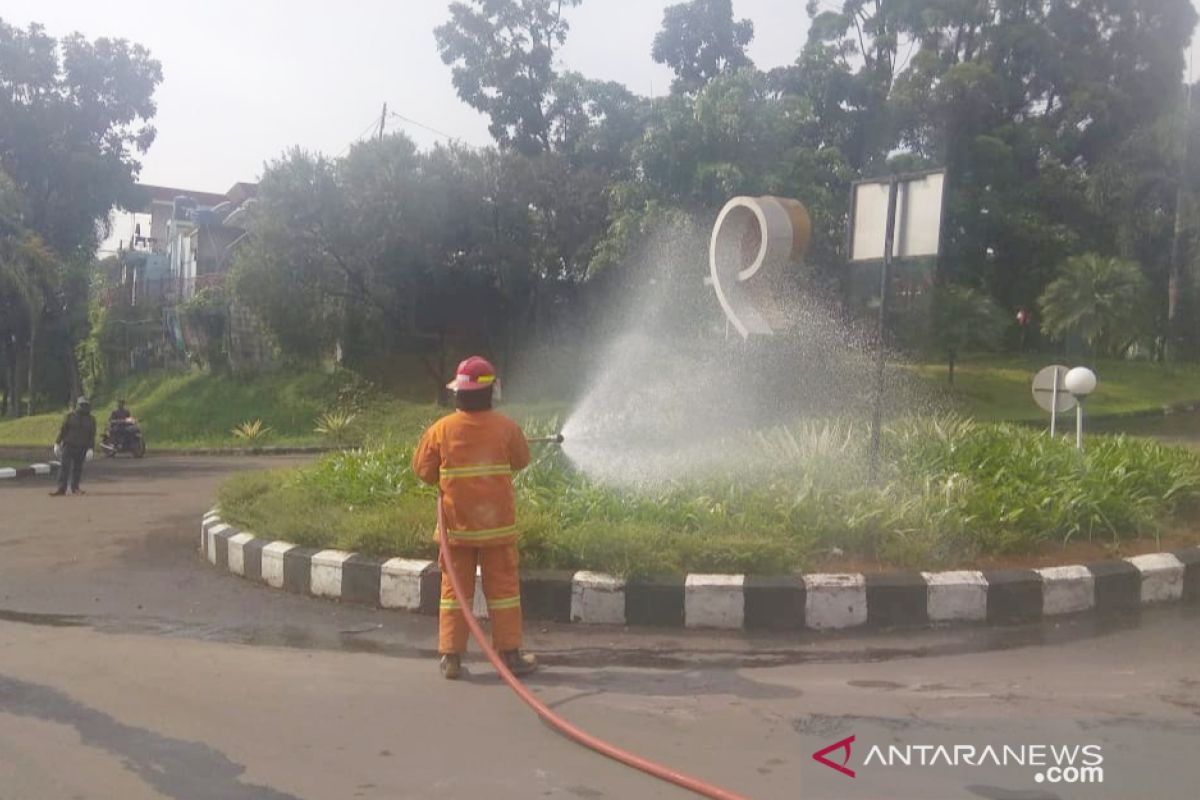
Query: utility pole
[382,121]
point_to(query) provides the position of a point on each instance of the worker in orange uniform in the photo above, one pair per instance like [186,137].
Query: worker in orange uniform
[471,456]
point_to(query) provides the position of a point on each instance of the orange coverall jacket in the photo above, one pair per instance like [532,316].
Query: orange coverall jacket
[471,456]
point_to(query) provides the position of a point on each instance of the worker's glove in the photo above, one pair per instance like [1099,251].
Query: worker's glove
[88,456]
[57,450]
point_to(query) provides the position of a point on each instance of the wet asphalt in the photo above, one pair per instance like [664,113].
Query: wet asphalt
[130,668]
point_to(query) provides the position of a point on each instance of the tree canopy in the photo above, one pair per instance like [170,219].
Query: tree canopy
[75,116]
[1073,166]
[1060,125]
[502,53]
[700,40]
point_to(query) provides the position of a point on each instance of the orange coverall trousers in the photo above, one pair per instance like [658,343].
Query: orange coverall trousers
[501,587]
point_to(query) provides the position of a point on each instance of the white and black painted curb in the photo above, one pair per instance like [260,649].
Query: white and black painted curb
[28,472]
[793,602]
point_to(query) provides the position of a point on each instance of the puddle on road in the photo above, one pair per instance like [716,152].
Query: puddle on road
[662,650]
[887,685]
[178,768]
[44,620]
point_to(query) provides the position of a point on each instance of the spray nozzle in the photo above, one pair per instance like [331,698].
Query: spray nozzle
[555,439]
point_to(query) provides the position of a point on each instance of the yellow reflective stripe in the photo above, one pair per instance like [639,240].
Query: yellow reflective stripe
[486,534]
[472,467]
[483,473]
[476,471]
[502,603]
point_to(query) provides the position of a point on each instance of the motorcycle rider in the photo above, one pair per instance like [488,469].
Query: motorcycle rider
[120,413]
[116,420]
[76,437]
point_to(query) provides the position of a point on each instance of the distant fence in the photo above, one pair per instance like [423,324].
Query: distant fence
[160,291]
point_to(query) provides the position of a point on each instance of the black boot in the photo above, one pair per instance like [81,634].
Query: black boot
[519,663]
[451,666]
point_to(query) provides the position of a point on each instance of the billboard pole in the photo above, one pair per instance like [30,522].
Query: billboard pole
[1054,405]
[881,337]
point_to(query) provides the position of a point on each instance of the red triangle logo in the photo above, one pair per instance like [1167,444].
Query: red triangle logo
[844,744]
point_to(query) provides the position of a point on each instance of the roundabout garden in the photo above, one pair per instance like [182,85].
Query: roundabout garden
[953,493]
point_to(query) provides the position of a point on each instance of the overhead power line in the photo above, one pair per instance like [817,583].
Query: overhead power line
[372,125]
[376,127]
[429,128]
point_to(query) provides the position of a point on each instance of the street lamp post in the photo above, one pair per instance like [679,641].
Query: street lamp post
[1080,382]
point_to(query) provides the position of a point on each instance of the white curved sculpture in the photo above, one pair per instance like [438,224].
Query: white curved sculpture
[755,243]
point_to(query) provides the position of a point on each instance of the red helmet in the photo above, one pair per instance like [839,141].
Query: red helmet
[473,374]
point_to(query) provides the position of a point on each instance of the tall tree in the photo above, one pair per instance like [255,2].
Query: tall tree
[74,119]
[1031,106]
[852,60]
[15,293]
[700,40]
[28,279]
[502,54]
[284,270]
[737,135]
[595,123]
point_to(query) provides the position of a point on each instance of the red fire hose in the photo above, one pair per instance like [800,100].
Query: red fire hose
[558,723]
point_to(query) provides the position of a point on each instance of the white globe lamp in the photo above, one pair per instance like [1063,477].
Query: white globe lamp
[1080,382]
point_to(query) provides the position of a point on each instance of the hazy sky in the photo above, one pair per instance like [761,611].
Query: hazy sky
[244,80]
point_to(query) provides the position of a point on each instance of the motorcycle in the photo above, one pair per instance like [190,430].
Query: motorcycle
[123,436]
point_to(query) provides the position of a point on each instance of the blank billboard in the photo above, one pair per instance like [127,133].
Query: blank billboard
[918,217]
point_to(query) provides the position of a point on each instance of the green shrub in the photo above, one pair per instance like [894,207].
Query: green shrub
[335,425]
[252,431]
[952,491]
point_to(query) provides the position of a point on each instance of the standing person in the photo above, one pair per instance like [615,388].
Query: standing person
[471,456]
[76,436]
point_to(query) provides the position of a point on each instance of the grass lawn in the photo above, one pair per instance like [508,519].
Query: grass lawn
[999,388]
[179,411]
[38,431]
[198,410]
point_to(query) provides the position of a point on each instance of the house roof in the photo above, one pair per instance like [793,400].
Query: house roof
[239,193]
[167,194]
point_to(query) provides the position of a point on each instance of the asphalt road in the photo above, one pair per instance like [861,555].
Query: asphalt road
[129,668]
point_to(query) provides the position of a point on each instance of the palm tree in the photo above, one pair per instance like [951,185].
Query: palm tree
[1101,299]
